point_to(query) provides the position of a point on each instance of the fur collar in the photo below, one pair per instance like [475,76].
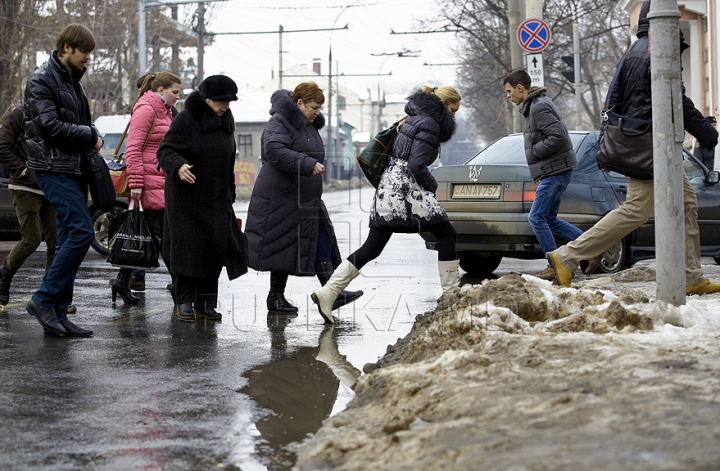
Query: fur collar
[427,104]
[288,109]
[206,118]
[533,93]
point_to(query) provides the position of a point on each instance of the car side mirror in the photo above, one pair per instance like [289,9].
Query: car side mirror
[713,177]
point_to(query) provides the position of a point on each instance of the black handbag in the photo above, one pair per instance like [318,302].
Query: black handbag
[626,143]
[132,243]
[375,157]
[101,186]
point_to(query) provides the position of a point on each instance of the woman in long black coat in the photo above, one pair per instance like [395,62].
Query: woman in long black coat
[288,227]
[405,198]
[201,233]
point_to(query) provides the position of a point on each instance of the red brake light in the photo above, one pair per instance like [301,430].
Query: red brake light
[529,189]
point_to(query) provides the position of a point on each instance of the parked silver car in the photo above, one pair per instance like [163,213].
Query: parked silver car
[489,198]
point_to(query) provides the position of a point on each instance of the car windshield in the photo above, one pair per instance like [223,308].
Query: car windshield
[511,150]
[110,143]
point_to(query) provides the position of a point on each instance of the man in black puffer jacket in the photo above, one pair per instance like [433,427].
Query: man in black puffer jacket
[61,137]
[632,97]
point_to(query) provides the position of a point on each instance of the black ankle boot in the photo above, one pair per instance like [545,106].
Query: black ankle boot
[276,301]
[122,286]
[185,312]
[324,271]
[75,330]
[6,277]
[47,318]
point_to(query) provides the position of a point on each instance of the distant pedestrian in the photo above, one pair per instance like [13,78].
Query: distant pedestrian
[150,120]
[632,96]
[706,156]
[61,140]
[288,228]
[405,198]
[201,234]
[35,214]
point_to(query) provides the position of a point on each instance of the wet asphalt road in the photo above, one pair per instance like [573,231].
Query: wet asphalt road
[151,392]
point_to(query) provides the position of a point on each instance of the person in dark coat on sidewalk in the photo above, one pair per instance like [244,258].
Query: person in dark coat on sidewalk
[288,227]
[201,234]
[35,214]
[61,139]
[405,198]
[632,96]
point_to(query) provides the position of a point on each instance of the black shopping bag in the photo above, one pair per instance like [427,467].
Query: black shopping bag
[132,243]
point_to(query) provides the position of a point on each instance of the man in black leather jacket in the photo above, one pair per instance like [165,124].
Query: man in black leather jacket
[632,97]
[61,137]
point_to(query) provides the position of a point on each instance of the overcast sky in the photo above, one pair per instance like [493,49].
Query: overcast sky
[249,58]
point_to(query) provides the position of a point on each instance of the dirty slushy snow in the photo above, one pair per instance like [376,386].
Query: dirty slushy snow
[519,374]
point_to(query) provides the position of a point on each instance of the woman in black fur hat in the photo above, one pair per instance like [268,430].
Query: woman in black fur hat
[201,233]
[405,198]
[288,227]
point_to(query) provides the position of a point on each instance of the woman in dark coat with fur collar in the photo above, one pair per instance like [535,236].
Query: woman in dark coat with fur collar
[405,199]
[288,227]
[201,234]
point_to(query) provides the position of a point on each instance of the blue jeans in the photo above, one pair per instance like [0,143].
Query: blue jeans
[68,193]
[543,214]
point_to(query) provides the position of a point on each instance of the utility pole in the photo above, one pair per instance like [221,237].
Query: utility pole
[516,54]
[280,52]
[201,42]
[578,78]
[668,135]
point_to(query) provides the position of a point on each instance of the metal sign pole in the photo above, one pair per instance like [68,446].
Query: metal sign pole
[668,135]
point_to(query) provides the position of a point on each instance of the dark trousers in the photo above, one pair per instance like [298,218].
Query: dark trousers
[377,239]
[36,217]
[202,292]
[68,193]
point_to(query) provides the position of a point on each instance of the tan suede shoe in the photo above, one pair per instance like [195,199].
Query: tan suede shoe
[562,274]
[704,287]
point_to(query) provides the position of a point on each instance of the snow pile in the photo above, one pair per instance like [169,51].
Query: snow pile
[519,374]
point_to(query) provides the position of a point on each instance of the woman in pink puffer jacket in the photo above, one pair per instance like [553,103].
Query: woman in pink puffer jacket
[150,120]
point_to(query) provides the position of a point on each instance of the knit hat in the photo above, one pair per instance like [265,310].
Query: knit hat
[218,88]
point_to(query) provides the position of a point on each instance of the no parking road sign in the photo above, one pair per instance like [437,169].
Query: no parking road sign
[533,35]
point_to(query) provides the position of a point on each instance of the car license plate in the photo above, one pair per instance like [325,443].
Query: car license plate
[476,191]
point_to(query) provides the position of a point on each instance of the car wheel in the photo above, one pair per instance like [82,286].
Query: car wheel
[612,260]
[478,265]
[101,226]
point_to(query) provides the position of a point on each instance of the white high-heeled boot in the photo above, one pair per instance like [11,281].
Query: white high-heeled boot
[449,275]
[326,296]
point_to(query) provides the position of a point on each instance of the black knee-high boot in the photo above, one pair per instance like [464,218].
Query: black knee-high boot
[122,285]
[324,271]
[276,297]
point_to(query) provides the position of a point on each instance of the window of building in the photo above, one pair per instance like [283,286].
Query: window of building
[341,102]
[244,146]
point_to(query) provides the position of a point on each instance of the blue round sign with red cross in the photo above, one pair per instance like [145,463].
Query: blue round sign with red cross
[533,35]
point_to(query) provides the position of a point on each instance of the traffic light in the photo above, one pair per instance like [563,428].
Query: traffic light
[569,74]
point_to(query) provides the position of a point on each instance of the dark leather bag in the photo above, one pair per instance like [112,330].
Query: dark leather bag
[626,143]
[626,146]
[101,186]
[374,158]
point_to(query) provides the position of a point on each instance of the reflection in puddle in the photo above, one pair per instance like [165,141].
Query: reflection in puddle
[299,387]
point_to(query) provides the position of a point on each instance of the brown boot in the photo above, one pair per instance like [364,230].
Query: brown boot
[547,274]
